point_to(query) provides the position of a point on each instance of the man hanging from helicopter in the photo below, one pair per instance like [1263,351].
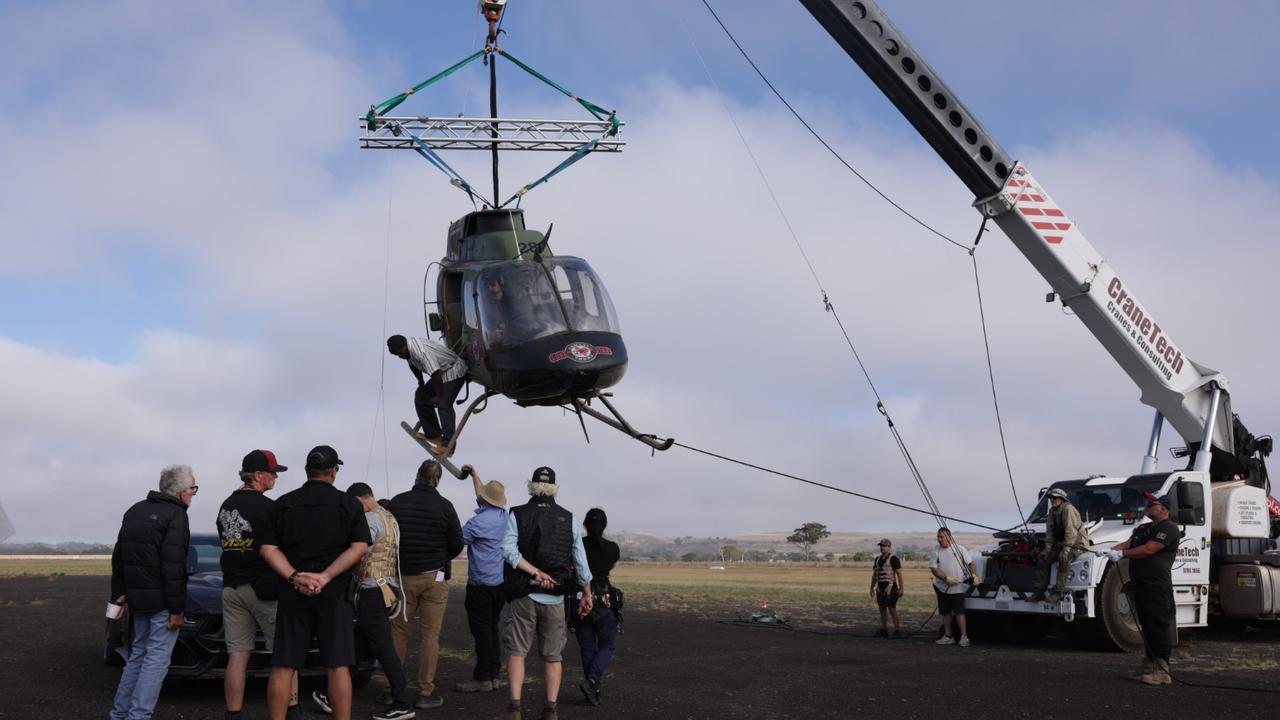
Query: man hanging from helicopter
[441,374]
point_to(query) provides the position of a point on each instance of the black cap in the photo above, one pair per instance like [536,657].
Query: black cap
[322,457]
[261,461]
[544,474]
[1153,499]
[359,489]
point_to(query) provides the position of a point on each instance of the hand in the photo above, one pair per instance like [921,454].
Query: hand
[175,621]
[468,470]
[310,583]
[544,580]
[951,581]
[1114,555]
[584,607]
[873,592]
[120,600]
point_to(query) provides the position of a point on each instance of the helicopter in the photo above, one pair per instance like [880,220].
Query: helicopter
[537,328]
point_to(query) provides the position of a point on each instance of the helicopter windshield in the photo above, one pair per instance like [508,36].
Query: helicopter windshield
[523,301]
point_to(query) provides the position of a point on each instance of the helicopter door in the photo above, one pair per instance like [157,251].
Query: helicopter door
[451,306]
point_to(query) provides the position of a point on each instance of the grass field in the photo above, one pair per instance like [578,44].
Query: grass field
[656,582]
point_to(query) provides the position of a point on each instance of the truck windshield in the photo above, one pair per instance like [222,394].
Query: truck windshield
[1100,502]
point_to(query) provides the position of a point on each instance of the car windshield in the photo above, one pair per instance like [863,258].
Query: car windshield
[1101,502]
[203,554]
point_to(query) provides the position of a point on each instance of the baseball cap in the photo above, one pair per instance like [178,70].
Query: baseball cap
[544,474]
[886,542]
[322,457]
[261,461]
[1152,499]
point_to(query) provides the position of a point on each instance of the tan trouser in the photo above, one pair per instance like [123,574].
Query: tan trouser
[426,600]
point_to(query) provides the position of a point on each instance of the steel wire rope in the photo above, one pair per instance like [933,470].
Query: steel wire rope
[820,139]
[381,409]
[991,374]
[826,301]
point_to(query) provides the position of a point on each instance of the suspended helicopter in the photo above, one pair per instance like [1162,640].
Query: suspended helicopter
[537,328]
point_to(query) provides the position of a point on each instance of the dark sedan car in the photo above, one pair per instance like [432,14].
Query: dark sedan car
[200,652]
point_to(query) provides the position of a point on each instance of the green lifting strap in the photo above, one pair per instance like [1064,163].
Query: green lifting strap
[599,112]
[377,111]
[578,155]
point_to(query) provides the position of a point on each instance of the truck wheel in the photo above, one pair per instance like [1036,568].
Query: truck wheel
[1117,623]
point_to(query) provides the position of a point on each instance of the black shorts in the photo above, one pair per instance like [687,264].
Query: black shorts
[887,597]
[949,603]
[331,623]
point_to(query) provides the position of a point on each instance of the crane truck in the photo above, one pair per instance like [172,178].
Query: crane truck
[1227,564]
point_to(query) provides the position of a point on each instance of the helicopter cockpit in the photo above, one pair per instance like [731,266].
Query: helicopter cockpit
[521,301]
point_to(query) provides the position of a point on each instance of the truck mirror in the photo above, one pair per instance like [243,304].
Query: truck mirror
[436,322]
[1188,500]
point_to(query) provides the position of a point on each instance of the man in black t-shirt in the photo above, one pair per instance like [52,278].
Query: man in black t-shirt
[1151,550]
[318,534]
[249,587]
[887,587]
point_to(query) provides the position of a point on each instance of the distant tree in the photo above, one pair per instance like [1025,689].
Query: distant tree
[730,553]
[808,535]
[861,556]
[829,557]
[689,557]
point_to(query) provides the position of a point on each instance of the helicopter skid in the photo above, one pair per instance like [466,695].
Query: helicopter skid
[434,451]
[618,423]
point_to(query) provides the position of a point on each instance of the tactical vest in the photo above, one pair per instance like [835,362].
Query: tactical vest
[884,571]
[382,558]
[544,536]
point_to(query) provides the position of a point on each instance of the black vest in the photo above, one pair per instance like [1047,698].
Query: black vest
[544,534]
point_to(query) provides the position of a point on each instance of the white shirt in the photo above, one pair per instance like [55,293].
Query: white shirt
[945,559]
[429,356]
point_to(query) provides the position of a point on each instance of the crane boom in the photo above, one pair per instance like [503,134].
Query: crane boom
[1193,398]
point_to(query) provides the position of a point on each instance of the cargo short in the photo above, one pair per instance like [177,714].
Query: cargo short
[523,620]
[243,615]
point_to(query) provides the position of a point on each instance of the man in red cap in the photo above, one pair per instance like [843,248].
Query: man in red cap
[249,587]
[1151,551]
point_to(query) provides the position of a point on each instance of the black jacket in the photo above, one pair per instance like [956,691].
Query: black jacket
[149,563]
[544,536]
[430,534]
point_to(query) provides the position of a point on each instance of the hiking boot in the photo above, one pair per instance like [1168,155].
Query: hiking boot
[427,702]
[398,711]
[549,713]
[964,641]
[471,686]
[590,692]
[897,634]
[882,633]
[512,714]
[945,640]
[322,701]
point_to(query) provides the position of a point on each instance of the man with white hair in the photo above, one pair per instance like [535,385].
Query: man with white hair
[544,552]
[149,573]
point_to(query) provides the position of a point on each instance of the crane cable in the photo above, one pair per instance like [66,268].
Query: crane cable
[381,409]
[970,250]
[912,467]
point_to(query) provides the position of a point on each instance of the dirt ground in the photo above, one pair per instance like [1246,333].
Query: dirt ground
[690,660]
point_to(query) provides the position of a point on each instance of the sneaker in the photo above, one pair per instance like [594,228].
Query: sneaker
[471,686]
[399,711]
[427,702]
[945,640]
[882,632]
[1157,676]
[964,641]
[295,712]
[590,692]
[322,701]
[897,634]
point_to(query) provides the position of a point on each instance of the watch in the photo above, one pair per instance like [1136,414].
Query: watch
[293,577]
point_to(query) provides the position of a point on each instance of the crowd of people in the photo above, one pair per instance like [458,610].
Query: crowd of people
[333,576]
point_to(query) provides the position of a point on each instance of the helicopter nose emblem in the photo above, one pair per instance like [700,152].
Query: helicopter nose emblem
[580,352]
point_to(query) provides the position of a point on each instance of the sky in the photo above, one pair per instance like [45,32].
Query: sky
[197,260]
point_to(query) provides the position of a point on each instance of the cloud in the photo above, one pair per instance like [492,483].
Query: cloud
[285,233]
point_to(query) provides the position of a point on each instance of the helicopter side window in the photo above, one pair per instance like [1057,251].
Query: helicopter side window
[469,315]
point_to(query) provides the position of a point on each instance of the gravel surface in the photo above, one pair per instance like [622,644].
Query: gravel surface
[690,662]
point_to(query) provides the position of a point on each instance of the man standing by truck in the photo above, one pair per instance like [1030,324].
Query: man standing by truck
[887,587]
[1064,540]
[1151,550]
[952,569]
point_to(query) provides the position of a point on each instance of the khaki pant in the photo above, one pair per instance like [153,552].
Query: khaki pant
[426,600]
[1060,558]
